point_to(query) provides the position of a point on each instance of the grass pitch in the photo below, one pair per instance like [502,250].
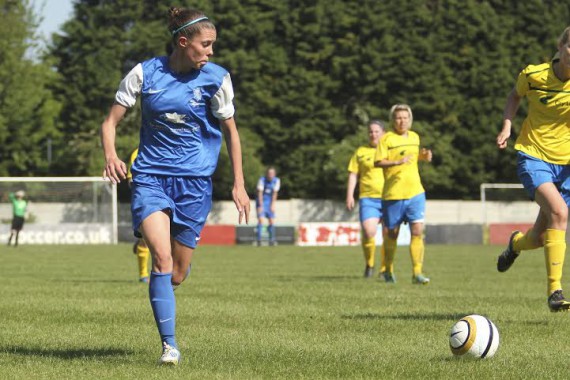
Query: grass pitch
[273,312]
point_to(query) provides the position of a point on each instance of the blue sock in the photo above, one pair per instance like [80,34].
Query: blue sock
[259,229]
[271,231]
[163,305]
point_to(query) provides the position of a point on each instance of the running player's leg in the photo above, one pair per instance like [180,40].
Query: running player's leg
[156,231]
[182,261]
[393,215]
[553,205]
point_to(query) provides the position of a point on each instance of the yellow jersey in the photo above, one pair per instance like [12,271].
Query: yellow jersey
[545,132]
[400,181]
[131,162]
[370,178]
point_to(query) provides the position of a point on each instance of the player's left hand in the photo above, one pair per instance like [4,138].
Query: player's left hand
[426,154]
[241,200]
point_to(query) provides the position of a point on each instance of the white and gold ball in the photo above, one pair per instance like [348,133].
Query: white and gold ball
[474,335]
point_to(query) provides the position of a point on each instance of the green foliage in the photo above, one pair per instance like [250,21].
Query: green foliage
[27,108]
[309,74]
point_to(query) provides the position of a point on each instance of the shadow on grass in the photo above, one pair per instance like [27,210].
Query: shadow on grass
[66,354]
[406,316]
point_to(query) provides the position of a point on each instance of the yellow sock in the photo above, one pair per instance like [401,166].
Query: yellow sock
[554,252]
[417,254]
[525,242]
[142,256]
[383,260]
[369,248]
[390,246]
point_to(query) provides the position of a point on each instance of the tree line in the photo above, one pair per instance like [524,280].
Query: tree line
[307,75]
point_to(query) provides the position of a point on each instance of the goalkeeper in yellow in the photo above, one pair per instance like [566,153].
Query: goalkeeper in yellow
[140,248]
[370,179]
[403,198]
[543,163]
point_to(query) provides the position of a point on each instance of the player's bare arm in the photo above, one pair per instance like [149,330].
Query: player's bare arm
[115,169]
[239,194]
[513,102]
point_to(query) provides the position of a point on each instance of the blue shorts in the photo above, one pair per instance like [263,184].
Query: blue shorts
[533,172]
[265,211]
[189,200]
[370,208]
[405,210]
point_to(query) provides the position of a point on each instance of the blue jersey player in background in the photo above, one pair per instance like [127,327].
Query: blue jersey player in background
[267,189]
[186,104]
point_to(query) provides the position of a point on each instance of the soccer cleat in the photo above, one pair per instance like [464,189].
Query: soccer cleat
[170,355]
[368,272]
[420,279]
[273,243]
[389,277]
[144,280]
[509,255]
[557,302]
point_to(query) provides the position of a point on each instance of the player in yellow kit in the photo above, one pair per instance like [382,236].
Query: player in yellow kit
[403,198]
[140,248]
[543,163]
[361,170]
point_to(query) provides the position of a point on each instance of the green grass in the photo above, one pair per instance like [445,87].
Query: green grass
[273,312]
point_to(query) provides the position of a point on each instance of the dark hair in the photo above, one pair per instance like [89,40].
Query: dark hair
[378,123]
[177,17]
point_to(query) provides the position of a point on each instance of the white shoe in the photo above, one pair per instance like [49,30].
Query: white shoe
[170,355]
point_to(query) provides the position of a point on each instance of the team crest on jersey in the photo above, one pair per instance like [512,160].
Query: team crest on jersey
[197,98]
[174,117]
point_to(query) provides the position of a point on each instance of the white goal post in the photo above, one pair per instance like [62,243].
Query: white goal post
[514,207]
[62,210]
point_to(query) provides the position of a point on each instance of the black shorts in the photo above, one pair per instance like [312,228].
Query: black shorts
[17,223]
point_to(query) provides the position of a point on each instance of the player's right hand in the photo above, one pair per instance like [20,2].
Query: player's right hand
[115,170]
[503,138]
[350,203]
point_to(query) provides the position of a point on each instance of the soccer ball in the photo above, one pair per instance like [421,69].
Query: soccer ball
[474,335]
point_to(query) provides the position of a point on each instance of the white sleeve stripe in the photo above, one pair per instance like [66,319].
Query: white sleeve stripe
[222,102]
[130,87]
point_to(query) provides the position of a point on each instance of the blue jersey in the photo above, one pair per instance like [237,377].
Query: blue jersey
[180,133]
[268,188]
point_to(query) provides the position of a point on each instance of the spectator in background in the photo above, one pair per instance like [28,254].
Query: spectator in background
[267,189]
[370,179]
[543,163]
[19,207]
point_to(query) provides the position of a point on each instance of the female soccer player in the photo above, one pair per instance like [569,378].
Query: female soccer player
[361,169]
[186,103]
[543,163]
[403,198]
[268,188]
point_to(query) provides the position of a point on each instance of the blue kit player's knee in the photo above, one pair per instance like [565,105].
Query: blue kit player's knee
[404,210]
[534,172]
[189,201]
[370,208]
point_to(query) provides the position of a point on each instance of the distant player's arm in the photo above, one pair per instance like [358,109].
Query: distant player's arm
[352,181]
[274,200]
[513,102]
